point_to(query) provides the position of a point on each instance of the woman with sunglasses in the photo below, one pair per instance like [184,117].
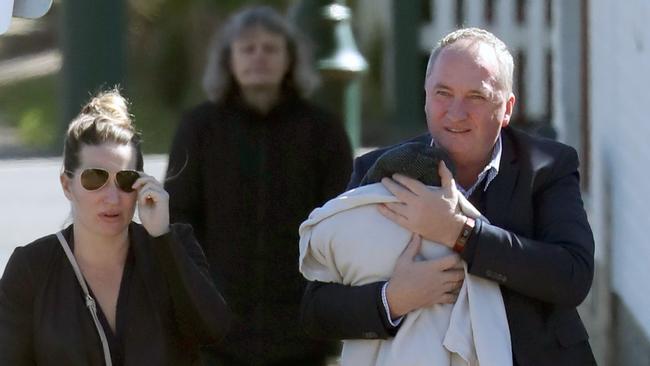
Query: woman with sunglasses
[106,290]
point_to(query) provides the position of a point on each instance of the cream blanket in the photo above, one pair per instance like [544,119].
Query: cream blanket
[348,241]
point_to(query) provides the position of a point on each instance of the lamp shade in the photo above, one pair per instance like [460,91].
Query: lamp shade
[31,9]
[6,10]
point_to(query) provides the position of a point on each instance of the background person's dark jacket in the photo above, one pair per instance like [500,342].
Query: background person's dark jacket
[172,307]
[246,181]
[539,247]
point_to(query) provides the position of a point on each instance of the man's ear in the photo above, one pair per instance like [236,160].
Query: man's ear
[510,107]
[66,184]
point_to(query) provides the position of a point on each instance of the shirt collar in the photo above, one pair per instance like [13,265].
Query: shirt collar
[491,169]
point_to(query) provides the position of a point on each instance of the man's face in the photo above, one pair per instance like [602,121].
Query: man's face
[465,105]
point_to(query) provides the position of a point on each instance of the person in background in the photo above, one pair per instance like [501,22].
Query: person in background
[245,168]
[106,290]
[537,246]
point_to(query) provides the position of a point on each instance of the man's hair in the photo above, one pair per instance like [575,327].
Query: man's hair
[218,80]
[477,35]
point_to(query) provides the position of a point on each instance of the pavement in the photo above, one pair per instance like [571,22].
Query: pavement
[32,203]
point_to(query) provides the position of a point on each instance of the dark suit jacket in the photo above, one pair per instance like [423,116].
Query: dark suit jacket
[172,306]
[538,247]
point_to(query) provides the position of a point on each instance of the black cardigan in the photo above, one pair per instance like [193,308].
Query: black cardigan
[172,308]
[245,181]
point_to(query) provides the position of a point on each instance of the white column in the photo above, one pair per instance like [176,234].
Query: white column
[505,26]
[566,72]
[475,13]
[535,49]
[443,22]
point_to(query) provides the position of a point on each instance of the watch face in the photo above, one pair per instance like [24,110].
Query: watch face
[466,232]
[31,9]
[464,235]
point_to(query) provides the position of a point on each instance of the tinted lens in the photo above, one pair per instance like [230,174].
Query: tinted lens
[126,178]
[92,179]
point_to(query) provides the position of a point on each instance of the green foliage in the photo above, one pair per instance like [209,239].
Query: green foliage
[35,130]
[32,107]
[155,120]
[18,97]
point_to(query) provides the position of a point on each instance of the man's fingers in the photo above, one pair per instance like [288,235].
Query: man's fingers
[413,185]
[398,190]
[453,276]
[455,289]
[396,207]
[392,215]
[446,178]
[452,291]
[412,248]
[459,264]
[448,298]
[453,282]
[448,262]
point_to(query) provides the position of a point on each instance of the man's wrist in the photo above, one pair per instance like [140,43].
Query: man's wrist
[464,235]
[384,299]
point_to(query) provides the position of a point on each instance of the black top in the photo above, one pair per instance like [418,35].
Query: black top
[116,340]
[167,306]
[245,181]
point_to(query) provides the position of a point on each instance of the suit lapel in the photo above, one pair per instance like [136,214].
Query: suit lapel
[501,189]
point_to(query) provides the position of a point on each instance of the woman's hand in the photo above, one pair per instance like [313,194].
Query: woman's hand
[153,205]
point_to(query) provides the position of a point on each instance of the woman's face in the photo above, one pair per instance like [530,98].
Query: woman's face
[108,210]
[259,59]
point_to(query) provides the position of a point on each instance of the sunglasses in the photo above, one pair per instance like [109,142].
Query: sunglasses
[93,179]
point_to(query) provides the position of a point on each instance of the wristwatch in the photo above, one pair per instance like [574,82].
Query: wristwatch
[465,233]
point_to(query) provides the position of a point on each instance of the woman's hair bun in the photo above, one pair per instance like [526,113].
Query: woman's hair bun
[109,105]
[104,119]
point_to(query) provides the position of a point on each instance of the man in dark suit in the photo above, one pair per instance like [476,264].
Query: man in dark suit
[537,244]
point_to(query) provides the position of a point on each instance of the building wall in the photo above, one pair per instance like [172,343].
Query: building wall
[620,156]
[525,26]
[614,141]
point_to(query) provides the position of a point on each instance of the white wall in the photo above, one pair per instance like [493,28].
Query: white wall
[533,37]
[620,151]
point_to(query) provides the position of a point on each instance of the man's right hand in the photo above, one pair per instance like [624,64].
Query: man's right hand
[418,284]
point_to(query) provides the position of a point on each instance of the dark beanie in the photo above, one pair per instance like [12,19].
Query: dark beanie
[415,160]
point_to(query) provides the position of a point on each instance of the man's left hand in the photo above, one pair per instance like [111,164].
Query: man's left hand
[433,214]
